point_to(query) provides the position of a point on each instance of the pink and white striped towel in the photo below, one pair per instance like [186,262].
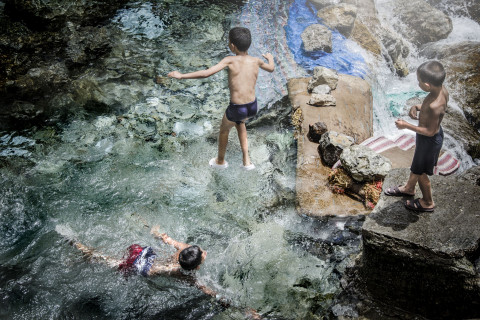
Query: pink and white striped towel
[446,164]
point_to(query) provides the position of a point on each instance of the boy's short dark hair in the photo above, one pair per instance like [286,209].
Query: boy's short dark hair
[190,258]
[432,72]
[241,38]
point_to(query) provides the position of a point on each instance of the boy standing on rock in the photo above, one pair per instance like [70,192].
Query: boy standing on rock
[429,136]
[242,77]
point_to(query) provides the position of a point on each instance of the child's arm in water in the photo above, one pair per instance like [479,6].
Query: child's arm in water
[201,73]
[94,255]
[165,238]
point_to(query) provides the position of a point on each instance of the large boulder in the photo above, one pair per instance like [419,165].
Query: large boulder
[462,64]
[331,145]
[317,38]
[363,164]
[425,263]
[322,75]
[420,22]
[339,17]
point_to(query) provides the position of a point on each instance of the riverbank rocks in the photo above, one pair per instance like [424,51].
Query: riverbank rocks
[340,17]
[426,263]
[363,164]
[321,76]
[331,145]
[317,37]
[420,22]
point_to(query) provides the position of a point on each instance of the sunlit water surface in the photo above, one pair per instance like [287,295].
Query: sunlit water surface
[101,176]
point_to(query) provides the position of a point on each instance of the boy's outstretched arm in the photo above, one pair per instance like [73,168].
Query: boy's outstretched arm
[270,66]
[165,238]
[201,73]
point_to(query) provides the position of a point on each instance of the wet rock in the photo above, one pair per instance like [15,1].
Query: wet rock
[317,38]
[322,100]
[316,131]
[322,75]
[339,17]
[472,175]
[421,23]
[364,164]
[361,35]
[425,262]
[462,64]
[53,15]
[331,146]
[320,4]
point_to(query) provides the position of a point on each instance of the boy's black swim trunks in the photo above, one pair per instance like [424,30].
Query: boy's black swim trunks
[427,150]
[240,112]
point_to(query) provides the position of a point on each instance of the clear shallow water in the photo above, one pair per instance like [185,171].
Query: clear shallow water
[99,175]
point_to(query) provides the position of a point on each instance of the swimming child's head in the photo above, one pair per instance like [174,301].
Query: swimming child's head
[241,38]
[431,72]
[191,257]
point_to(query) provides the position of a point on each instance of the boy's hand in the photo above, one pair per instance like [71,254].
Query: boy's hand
[401,124]
[156,231]
[175,74]
[413,112]
[267,56]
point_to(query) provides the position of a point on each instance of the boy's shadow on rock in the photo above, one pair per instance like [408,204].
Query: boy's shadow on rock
[395,216]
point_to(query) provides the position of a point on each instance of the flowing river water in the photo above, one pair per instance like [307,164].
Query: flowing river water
[97,177]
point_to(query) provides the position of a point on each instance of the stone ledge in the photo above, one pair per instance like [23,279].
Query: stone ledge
[426,262]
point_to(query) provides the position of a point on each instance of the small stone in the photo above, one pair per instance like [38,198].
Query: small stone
[322,89]
[322,100]
[322,75]
[317,37]
[316,131]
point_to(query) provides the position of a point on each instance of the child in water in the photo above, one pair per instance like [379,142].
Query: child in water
[242,77]
[429,136]
[142,260]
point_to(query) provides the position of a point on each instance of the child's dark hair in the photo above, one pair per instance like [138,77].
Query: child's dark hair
[190,258]
[241,38]
[432,72]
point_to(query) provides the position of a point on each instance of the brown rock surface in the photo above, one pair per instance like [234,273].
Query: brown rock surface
[352,116]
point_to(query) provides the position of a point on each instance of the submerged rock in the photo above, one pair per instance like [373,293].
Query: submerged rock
[317,38]
[425,262]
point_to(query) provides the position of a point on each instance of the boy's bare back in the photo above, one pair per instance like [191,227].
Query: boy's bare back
[242,77]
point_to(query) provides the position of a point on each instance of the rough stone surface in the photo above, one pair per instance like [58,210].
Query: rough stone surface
[353,116]
[322,100]
[331,145]
[322,89]
[425,262]
[340,17]
[421,23]
[316,130]
[317,38]
[363,36]
[364,164]
[319,4]
[322,75]
[462,64]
